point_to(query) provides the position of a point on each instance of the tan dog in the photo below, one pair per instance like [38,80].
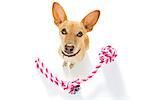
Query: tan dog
[74,40]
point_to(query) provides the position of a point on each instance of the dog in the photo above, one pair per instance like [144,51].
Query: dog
[73,35]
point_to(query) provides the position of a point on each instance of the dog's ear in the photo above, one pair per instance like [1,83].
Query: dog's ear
[58,13]
[90,20]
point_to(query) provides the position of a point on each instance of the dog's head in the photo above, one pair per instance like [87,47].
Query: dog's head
[72,33]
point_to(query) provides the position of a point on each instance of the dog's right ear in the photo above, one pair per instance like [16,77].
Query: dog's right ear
[58,13]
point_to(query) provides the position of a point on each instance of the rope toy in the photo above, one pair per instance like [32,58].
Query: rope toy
[107,55]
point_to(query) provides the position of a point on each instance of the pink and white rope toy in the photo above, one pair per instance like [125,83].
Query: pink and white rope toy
[107,55]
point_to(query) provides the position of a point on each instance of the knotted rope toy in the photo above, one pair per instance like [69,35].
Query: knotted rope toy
[107,55]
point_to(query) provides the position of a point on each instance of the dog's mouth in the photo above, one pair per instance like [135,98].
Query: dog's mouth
[70,55]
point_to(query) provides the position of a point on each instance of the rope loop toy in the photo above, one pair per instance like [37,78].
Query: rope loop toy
[107,55]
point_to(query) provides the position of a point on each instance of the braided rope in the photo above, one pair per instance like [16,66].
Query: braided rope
[108,54]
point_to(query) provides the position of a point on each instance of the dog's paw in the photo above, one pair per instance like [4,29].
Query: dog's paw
[71,65]
[65,64]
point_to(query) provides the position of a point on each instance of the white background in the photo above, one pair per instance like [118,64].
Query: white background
[27,31]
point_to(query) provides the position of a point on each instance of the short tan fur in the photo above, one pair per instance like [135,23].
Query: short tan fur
[73,35]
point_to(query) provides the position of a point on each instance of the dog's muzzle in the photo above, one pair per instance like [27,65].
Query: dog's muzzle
[70,55]
[69,48]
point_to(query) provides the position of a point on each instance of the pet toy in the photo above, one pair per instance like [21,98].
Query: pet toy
[107,55]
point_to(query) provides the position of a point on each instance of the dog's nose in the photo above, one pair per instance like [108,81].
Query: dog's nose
[69,48]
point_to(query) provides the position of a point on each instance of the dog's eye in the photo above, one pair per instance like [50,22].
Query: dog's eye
[79,34]
[63,31]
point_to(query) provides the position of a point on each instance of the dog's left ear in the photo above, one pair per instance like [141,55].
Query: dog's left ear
[90,20]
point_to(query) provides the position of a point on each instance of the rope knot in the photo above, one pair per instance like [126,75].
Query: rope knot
[108,54]
[74,88]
